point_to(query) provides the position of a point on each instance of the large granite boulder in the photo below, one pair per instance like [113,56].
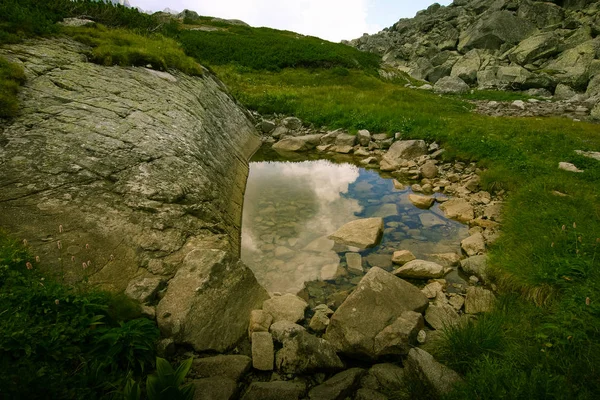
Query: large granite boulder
[450,85]
[135,168]
[378,301]
[536,47]
[571,66]
[208,303]
[496,28]
[338,387]
[305,353]
[362,233]
[466,67]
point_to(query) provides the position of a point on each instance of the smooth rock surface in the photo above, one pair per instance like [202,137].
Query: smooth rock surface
[420,269]
[362,233]
[262,351]
[479,300]
[288,307]
[422,366]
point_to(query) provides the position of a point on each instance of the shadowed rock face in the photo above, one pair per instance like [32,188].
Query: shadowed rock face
[125,169]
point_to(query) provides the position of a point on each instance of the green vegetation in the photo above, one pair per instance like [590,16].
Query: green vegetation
[544,340]
[11,77]
[61,342]
[125,48]
[270,49]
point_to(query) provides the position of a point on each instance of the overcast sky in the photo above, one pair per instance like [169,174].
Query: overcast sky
[328,19]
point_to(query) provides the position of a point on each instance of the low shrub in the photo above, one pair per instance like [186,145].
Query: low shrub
[12,77]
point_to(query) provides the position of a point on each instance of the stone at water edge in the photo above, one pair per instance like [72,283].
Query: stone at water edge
[379,298]
[217,317]
[298,143]
[432,289]
[429,170]
[401,257]
[476,265]
[422,366]
[292,123]
[284,329]
[354,261]
[262,351]
[403,150]
[458,209]
[364,137]
[423,202]
[420,269]
[287,307]
[473,245]
[319,322]
[362,233]
[400,336]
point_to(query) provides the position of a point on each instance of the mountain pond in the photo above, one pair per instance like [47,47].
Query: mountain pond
[293,203]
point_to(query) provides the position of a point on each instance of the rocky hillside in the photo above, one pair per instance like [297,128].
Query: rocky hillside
[497,44]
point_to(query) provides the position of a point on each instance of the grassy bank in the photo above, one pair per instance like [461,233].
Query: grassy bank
[543,341]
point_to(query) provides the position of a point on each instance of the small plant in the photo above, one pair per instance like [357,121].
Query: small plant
[11,77]
[167,384]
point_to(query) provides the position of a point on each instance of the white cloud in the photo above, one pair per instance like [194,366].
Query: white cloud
[333,20]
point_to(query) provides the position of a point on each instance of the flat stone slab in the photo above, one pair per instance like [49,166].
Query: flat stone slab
[458,209]
[288,307]
[362,233]
[420,269]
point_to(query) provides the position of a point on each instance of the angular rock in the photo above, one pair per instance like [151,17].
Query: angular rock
[338,387]
[491,31]
[144,289]
[536,47]
[432,289]
[208,302]
[565,166]
[437,377]
[284,329]
[403,150]
[232,367]
[400,336]
[429,170]
[476,265]
[267,126]
[362,233]
[479,300]
[385,377]
[473,245]
[450,85]
[369,394]
[345,140]
[420,269]
[285,308]
[440,316]
[319,322]
[292,123]
[379,298]
[263,353]
[298,143]
[423,202]
[364,137]
[216,388]
[276,390]
[466,68]
[401,257]
[458,209]
[305,353]
[260,321]
[354,261]
[456,301]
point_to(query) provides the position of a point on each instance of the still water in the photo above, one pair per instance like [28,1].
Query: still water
[290,208]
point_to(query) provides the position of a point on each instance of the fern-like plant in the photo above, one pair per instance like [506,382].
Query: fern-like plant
[167,384]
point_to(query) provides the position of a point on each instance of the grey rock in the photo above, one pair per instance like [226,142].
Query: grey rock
[364,137]
[136,163]
[319,321]
[208,303]
[479,300]
[276,390]
[354,261]
[285,308]
[385,377]
[292,123]
[473,245]
[144,289]
[450,85]
[400,336]
[437,377]
[458,209]
[536,47]
[476,265]
[338,387]
[362,233]
[298,143]
[491,31]
[403,150]
[440,316]
[267,126]
[344,140]
[305,353]
[284,329]
[420,269]
[379,298]
[233,367]
[260,321]
[401,257]
[216,388]
[262,351]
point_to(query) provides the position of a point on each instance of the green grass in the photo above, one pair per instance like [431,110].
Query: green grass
[64,342]
[544,340]
[270,49]
[12,77]
[125,48]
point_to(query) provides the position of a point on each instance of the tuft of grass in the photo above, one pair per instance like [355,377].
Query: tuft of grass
[126,48]
[12,77]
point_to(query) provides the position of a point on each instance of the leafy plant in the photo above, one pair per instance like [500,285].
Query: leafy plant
[129,346]
[167,384]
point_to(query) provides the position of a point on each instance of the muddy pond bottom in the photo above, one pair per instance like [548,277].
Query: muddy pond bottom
[291,207]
